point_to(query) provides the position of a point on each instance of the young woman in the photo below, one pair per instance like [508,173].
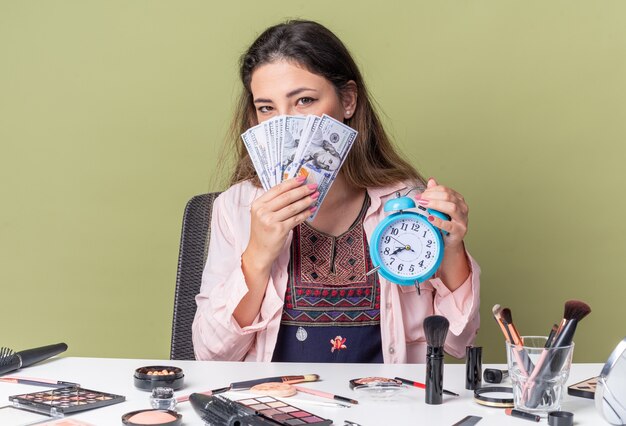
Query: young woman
[279,288]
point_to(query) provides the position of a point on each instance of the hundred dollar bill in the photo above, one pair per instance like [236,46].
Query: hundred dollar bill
[309,127]
[292,135]
[328,145]
[254,140]
[268,132]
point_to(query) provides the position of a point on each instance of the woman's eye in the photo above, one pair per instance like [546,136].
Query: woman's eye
[305,101]
[264,109]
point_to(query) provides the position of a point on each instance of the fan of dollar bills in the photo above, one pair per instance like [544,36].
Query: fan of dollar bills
[288,146]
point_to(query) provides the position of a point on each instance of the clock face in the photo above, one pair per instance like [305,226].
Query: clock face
[409,247]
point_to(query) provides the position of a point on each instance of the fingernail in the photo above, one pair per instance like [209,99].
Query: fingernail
[423,202]
[315,195]
[300,179]
[312,186]
[431,218]
[313,209]
[418,196]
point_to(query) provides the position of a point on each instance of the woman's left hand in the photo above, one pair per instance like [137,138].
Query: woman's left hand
[450,202]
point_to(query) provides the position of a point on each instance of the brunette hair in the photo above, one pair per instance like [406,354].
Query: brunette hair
[372,161]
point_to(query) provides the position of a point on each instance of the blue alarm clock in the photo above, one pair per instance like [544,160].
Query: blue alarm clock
[405,247]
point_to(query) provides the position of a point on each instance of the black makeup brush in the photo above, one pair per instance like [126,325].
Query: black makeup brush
[574,311]
[10,361]
[436,329]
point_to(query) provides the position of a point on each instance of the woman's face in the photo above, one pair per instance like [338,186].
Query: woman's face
[284,88]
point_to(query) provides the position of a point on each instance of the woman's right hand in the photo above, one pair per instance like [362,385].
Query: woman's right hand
[273,215]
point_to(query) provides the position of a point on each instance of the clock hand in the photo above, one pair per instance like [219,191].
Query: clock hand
[401,243]
[398,250]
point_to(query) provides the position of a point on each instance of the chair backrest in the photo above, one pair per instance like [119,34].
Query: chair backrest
[194,245]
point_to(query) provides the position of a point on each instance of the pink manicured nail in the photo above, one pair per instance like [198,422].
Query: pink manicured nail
[312,186]
[423,201]
[301,179]
[315,195]
[418,196]
[431,218]
[313,209]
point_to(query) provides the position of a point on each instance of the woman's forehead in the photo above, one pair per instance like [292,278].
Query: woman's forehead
[283,78]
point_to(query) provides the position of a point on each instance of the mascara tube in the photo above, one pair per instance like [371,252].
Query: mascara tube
[434,375]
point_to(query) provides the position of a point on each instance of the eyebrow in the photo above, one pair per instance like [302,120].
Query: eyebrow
[289,95]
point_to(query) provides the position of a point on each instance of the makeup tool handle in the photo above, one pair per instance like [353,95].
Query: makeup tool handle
[434,378]
[12,365]
[35,355]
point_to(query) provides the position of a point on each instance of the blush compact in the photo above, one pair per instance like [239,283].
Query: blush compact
[156,376]
[152,417]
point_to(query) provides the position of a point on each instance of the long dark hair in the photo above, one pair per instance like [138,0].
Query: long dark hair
[372,161]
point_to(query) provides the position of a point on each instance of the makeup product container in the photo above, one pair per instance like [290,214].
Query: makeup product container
[163,399]
[495,375]
[152,417]
[155,376]
[473,367]
[383,388]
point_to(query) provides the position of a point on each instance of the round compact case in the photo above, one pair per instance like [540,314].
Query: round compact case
[155,376]
[152,417]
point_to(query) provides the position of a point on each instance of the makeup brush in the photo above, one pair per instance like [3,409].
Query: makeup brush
[10,361]
[507,320]
[497,314]
[436,330]
[278,379]
[551,336]
[573,312]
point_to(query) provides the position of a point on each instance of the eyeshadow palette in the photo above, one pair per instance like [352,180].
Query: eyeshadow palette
[584,389]
[282,413]
[61,401]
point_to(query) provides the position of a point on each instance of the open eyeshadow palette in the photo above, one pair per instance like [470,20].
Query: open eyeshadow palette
[281,412]
[259,411]
[61,401]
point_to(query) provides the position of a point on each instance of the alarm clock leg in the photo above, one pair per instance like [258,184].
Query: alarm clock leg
[417,286]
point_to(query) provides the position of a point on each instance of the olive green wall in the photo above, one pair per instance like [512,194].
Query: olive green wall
[112,114]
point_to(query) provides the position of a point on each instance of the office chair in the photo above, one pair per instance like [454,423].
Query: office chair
[194,245]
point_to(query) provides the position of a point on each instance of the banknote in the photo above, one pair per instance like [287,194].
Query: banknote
[288,146]
[327,147]
[291,138]
[256,144]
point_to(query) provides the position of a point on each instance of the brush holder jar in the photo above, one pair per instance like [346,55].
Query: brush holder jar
[538,374]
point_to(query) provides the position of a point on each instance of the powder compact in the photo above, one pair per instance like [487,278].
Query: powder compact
[61,401]
[377,387]
[155,376]
[152,417]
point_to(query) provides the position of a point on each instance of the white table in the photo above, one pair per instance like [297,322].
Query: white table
[116,376]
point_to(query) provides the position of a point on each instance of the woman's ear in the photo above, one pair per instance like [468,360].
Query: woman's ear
[349,99]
